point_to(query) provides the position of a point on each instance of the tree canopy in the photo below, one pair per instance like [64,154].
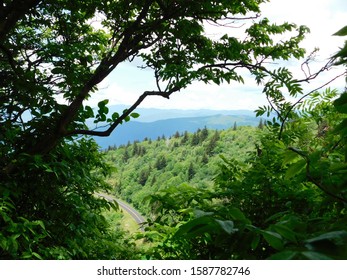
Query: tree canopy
[53,49]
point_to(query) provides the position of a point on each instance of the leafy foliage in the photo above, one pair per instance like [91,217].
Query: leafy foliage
[285,201]
[53,56]
[53,211]
[163,163]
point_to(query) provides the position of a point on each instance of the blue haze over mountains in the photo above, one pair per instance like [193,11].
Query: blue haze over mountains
[154,123]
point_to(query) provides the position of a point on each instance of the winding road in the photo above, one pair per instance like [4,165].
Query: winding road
[134,214]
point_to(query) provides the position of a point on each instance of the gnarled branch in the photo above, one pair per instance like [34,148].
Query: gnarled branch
[125,114]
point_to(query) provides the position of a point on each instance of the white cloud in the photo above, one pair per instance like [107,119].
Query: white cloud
[323,17]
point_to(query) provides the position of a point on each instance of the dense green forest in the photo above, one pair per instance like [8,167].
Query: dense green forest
[142,168]
[241,193]
[277,191]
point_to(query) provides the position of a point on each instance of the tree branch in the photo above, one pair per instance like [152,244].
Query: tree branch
[127,47]
[125,114]
[12,13]
[302,98]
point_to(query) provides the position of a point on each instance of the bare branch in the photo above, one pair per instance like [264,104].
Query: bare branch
[307,61]
[230,22]
[310,77]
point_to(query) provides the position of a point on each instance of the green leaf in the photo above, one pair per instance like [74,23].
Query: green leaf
[134,115]
[104,110]
[40,223]
[341,103]
[341,32]
[273,238]
[202,225]
[89,113]
[236,214]
[338,237]
[199,213]
[289,157]
[114,205]
[115,116]
[284,231]
[193,227]
[36,255]
[103,103]
[227,226]
[294,169]
[342,128]
[255,242]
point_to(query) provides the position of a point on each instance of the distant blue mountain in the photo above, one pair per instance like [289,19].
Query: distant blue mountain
[136,130]
[154,114]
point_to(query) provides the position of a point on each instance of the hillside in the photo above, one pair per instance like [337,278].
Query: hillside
[138,131]
[148,166]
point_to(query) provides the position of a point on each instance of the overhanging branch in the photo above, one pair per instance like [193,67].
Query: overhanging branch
[125,114]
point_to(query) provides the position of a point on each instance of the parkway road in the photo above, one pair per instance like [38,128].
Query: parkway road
[135,214]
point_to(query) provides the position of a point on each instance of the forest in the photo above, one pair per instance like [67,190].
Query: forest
[275,191]
[240,193]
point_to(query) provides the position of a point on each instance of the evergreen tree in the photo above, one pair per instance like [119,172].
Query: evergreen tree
[191,171]
[195,139]
[161,162]
[204,134]
[204,159]
[142,151]
[126,156]
[235,126]
[185,137]
[143,176]
[135,149]
[212,143]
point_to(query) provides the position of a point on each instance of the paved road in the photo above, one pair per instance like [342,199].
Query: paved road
[135,214]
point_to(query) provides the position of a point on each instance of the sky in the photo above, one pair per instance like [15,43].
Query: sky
[323,17]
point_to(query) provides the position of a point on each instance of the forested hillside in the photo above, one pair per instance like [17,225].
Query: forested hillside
[276,191]
[142,168]
[138,131]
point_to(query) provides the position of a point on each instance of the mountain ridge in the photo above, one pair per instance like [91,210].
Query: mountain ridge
[137,131]
[154,114]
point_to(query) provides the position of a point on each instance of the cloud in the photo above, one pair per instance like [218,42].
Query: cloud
[323,17]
